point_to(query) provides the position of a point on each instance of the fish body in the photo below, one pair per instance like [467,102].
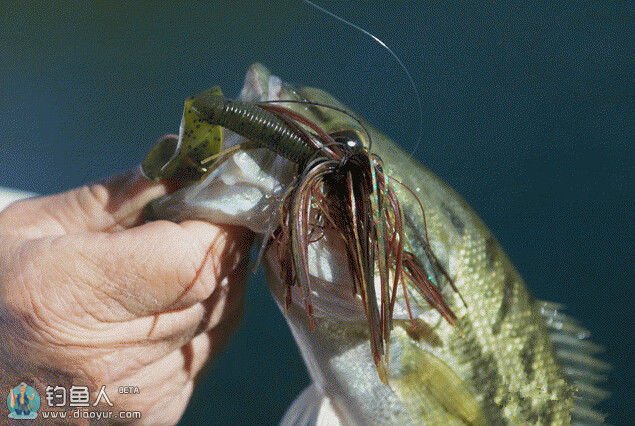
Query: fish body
[508,359]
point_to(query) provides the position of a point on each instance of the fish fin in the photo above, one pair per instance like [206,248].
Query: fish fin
[444,389]
[578,356]
[311,407]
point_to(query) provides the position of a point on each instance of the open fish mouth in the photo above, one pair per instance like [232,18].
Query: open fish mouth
[246,188]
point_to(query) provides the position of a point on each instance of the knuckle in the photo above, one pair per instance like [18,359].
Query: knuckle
[90,198]
[89,195]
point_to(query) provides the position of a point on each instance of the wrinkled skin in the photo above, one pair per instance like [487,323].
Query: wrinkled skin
[91,296]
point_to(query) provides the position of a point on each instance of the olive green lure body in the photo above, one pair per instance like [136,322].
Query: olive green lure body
[254,123]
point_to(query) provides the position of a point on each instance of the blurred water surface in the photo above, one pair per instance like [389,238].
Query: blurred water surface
[528,112]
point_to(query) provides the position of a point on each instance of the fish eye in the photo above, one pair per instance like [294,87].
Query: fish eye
[350,138]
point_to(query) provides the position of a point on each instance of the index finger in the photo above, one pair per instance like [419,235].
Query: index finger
[153,268]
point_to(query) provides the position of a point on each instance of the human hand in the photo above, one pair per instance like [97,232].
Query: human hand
[90,296]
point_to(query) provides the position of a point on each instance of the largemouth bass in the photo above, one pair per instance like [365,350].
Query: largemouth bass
[505,359]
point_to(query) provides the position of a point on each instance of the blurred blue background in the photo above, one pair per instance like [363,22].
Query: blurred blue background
[527,112]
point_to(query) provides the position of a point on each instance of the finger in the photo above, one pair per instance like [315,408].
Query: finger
[165,390]
[153,268]
[176,371]
[116,203]
[173,328]
[195,350]
[110,205]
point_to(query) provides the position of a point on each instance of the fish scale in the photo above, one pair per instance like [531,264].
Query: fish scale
[509,359]
[516,383]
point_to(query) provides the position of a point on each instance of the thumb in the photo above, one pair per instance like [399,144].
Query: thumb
[111,205]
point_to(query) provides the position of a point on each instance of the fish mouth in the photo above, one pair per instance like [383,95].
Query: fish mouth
[243,190]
